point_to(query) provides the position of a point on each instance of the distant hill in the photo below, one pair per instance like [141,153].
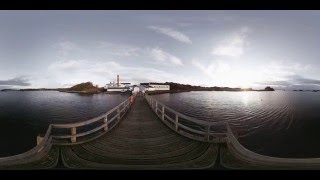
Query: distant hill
[9,90]
[86,87]
[187,87]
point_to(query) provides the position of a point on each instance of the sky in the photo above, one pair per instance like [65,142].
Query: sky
[54,49]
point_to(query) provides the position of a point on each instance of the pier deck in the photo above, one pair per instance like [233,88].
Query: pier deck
[43,161]
[140,141]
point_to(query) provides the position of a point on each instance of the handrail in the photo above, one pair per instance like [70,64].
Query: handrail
[95,119]
[191,119]
[103,117]
[47,142]
[258,159]
[234,146]
[191,132]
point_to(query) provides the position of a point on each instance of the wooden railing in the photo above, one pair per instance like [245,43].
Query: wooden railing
[205,134]
[258,160]
[34,154]
[79,132]
[187,126]
[88,130]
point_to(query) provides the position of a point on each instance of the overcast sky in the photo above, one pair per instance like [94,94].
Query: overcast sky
[211,48]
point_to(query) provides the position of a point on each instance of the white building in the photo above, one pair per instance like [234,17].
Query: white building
[117,87]
[114,87]
[154,87]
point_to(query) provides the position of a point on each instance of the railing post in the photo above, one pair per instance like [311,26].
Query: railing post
[118,111]
[177,118]
[106,122]
[73,133]
[39,139]
[162,112]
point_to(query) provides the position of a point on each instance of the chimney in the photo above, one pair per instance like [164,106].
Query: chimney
[118,80]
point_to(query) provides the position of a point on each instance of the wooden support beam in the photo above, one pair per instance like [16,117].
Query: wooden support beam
[73,133]
[39,139]
[162,112]
[106,122]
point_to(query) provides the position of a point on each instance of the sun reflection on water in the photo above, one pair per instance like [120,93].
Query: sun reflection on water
[245,98]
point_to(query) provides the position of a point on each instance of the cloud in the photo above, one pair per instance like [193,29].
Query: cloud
[287,75]
[208,70]
[284,71]
[294,82]
[219,73]
[234,45]
[212,69]
[172,33]
[277,74]
[306,81]
[221,18]
[184,24]
[104,72]
[78,67]
[165,57]
[69,65]
[119,49]
[6,87]
[18,81]
[68,49]
[65,47]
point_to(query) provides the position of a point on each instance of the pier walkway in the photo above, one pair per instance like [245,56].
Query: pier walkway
[146,135]
[141,141]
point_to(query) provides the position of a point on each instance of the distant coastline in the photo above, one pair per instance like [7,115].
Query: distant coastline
[177,88]
[82,88]
[89,88]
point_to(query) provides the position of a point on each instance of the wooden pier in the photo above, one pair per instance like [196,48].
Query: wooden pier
[140,141]
[145,134]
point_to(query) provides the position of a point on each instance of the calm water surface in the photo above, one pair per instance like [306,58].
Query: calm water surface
[24,115]
[279,123]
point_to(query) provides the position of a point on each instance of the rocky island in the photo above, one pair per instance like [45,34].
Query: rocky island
[85,88]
